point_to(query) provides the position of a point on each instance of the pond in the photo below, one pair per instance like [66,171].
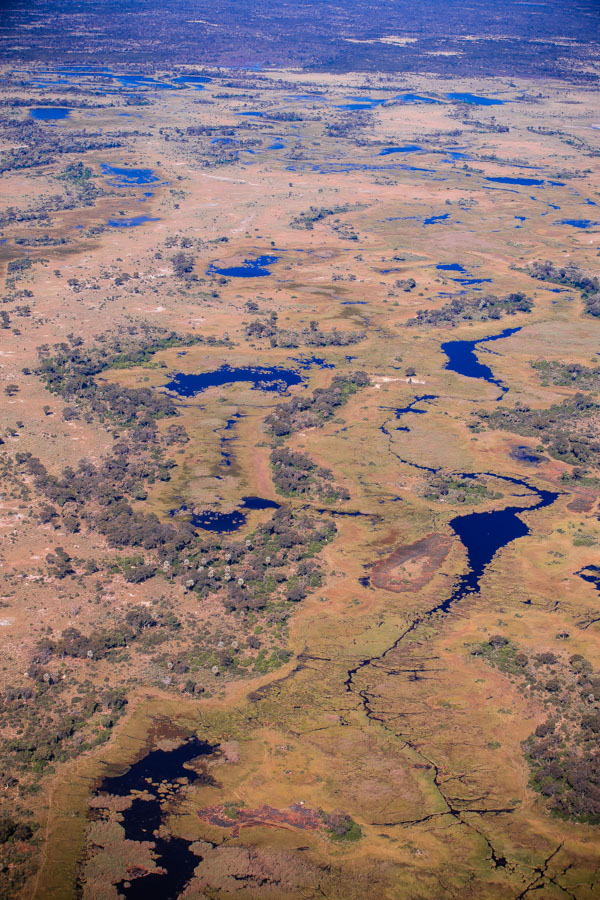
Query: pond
[578,223]
[132,222]
[250,268]
[263,378]
[124,177]
[432,220]
[592,574]
[524,182]
[224,523]
[407,148]
[474,99]
[49,113]
[149,776]
[416,98]
[259,503]
[523,453]
[462,358]
[484,533]
[451,267]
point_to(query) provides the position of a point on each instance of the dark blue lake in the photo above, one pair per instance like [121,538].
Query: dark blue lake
[456,154]
[471,280]
[250,268]
[474,99]
[222,523]
[361,103]
[225,523]
[143,81]
[484,533]
[463,360]
[259,503]
[49,113]
[272,378]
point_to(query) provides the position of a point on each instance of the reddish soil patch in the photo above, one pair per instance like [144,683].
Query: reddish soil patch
[411,566]
[582,503]
[295,816]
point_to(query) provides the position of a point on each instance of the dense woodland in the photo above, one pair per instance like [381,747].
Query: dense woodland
[313,410]
[313,336]
[568,431]
[571,276]
[480,309]
[518,40]
[563,751]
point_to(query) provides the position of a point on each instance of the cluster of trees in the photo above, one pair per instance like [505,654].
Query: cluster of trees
[458,489]
[183,266]
[563,752]
[568,374]
[405,284]
[70,371]
[480,309]
[568,430]
[48,727]
[276,563]
[34,145]
[312,410]
[306,220]
[12,830]
[15,102]
[99,495]
[154,39]
[129,405]
[295,474]
[78,194]
[341,826]
[42,240]
[96,645]
[313,336]
[571,276]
